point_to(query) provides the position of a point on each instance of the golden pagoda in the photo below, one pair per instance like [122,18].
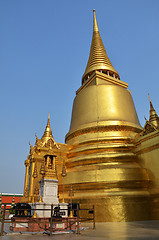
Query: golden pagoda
[101,164]
[105,157]
[43,157]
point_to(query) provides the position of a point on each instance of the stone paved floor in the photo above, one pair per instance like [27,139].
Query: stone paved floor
[122,231]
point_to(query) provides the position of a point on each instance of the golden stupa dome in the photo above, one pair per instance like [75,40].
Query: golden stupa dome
[101,163]
[106,105]
[103,99]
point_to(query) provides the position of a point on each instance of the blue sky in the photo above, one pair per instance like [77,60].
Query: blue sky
[44,47]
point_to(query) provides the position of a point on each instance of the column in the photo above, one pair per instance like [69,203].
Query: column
[27,164]
[31,188]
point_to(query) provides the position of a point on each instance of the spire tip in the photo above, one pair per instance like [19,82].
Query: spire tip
[95,25]
[149,97]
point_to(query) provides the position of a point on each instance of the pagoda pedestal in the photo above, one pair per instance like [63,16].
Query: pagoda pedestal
[49,194]
[49,190]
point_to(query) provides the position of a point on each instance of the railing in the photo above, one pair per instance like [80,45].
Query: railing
[52,219]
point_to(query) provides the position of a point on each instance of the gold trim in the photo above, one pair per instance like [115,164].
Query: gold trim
[131,184]
[101,129]
[147,137]
[105,159]
[148,149]
[104,77]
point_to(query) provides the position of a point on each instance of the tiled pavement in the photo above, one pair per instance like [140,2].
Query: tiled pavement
[123,231]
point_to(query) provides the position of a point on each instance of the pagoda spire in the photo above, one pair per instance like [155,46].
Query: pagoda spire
[98,58]
[48,133]
[153,118]
[95,25]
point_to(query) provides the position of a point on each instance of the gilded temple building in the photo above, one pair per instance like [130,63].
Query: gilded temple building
[40,160]
[108,159]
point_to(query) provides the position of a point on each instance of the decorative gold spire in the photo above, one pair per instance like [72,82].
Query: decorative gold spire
[40,199]
[38,142]
[154,119]
[95,25]
[48,133]
[64,173]
[98,58]
[31,149]
[35,174]
[42,169]
[34,215]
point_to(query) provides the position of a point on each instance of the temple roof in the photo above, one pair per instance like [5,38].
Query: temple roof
[47,139]
[98,58]
[152,124]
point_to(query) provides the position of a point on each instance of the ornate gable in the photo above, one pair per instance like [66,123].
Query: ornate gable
[148,128]
[51,144]
[38,142]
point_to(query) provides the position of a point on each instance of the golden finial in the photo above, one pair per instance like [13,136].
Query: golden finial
[71,214]
[149,97]
[151,106]
[35,215]
[63,173]
[40,199]
[95,25]
[36,137]
[35,175]
[31,149]
[42,169]
[71,194]
[145,119]
[153,119]
[98,58]
[47,133]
